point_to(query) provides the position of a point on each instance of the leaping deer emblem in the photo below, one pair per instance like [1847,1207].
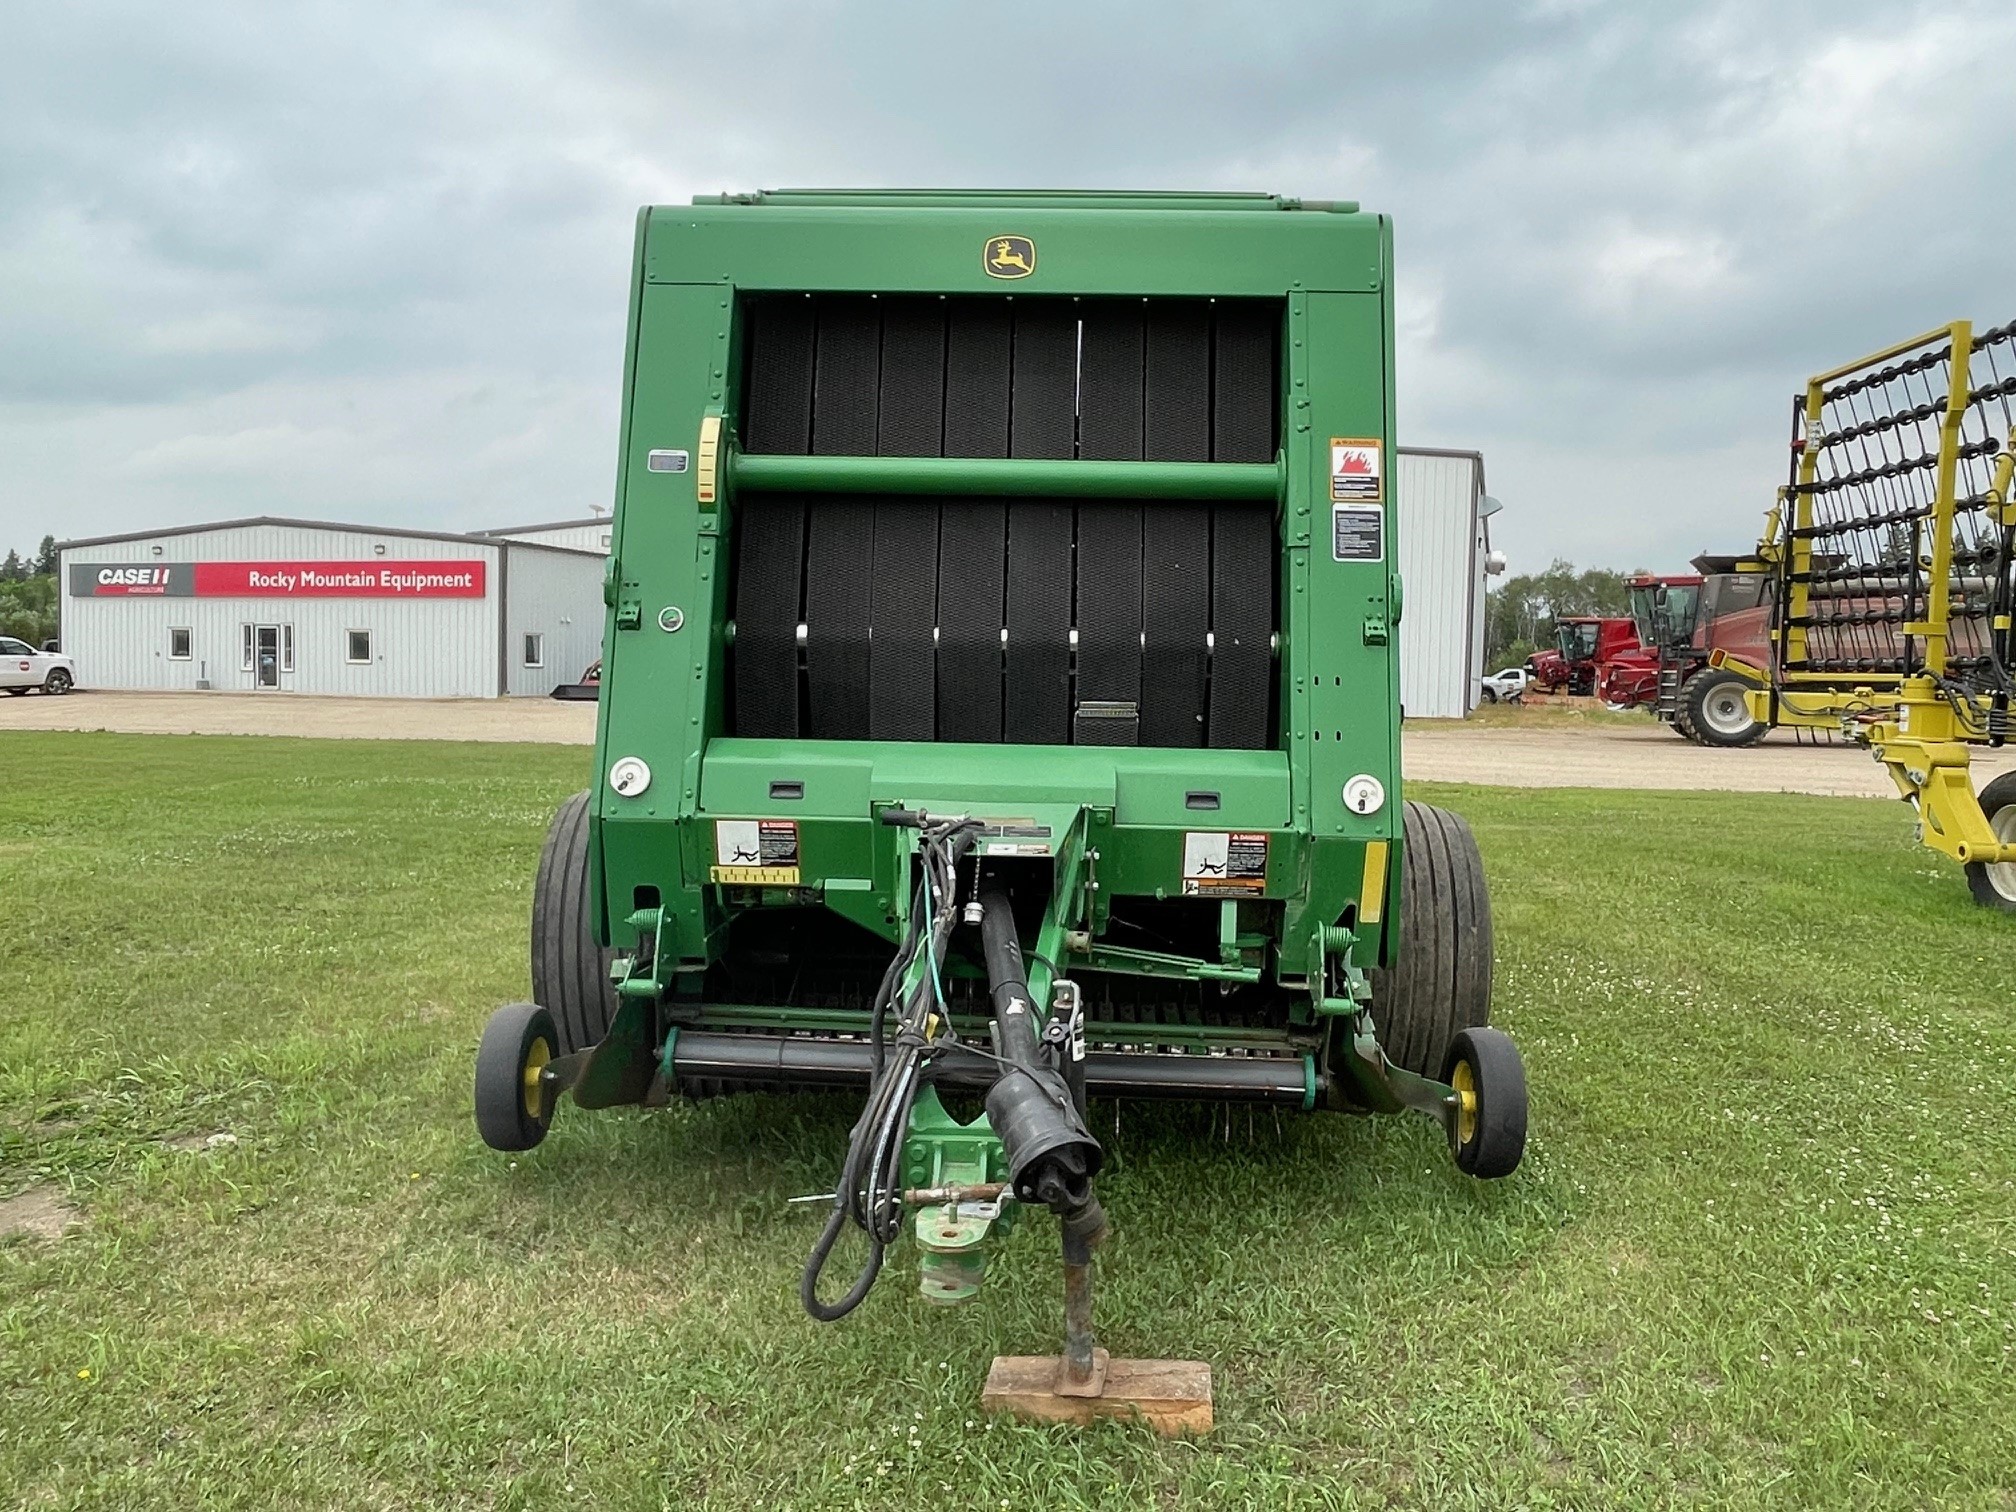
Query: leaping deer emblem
[1010,256]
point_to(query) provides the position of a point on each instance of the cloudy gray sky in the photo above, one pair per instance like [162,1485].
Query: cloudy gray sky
[369,260]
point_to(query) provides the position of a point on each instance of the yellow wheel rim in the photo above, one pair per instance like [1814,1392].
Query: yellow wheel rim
[1464,1080]
[535,1061]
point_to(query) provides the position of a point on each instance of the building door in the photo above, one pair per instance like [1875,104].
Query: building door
[266,657]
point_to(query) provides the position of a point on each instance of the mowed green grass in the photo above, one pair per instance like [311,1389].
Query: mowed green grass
[1762,1251]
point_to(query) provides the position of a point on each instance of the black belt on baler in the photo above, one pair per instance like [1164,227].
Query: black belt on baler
[955,619]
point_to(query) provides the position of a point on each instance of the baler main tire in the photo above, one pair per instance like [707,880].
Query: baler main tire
[1488,1141]
[1440,981]
[1994,883]
[1712,715]
[517,1042]
[570,972]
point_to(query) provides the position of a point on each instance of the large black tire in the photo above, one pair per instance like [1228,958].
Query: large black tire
[1994,883]
[517,1042]
[570,972]
[1440,981]
[1717,711]
[1683,723]
[1488,1138]
[57,683]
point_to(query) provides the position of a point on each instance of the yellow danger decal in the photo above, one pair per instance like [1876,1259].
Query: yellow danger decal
[754,876]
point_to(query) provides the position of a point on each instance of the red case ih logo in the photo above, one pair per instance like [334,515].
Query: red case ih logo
[116,578]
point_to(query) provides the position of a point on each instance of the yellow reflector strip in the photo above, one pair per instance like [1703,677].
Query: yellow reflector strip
[1372,892]
[708,462]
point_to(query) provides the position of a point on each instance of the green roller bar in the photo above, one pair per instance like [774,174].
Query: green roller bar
[953,476]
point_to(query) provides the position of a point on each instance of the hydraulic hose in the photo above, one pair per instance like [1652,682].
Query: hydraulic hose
[869,1190]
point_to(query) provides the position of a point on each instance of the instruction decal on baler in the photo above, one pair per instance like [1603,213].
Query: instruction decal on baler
[1358,532]
[1218,862]
[756,852]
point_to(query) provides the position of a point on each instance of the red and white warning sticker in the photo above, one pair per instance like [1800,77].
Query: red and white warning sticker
[1357,470]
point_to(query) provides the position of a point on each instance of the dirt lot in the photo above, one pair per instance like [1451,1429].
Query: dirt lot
[539,719]
[1651,756]
[1597,755]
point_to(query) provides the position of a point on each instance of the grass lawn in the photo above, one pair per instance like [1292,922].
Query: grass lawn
[1762,1252]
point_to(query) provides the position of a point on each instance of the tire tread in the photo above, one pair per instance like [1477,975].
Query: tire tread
[1439,982]
[570,970]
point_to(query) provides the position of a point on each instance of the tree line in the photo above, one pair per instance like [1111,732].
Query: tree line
[1520,612]
[28,594]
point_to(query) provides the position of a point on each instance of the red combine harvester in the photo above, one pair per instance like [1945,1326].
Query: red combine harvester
[1662,619]
[1681,622]
[1583,643]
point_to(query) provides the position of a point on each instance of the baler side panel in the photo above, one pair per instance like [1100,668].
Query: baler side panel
[599,911]
[669,554]
[1340,666]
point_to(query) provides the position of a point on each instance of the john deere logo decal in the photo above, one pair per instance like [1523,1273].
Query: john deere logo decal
[1009,257]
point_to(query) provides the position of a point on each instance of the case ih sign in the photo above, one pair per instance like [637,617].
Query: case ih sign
[377,579]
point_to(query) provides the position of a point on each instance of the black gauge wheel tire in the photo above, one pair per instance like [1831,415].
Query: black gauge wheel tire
[1488,1135]
[517,1043]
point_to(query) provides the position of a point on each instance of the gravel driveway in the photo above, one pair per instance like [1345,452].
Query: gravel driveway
[1604,756]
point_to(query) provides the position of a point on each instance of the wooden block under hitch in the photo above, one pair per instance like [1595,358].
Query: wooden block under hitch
[1171,1396]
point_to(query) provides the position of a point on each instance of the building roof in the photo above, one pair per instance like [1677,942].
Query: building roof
[1449,451]
[469,538]
[505,530]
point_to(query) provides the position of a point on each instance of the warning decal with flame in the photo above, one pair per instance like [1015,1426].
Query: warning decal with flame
[1357,473]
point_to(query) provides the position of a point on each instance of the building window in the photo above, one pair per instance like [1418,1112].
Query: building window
[286,648]
[178,644]
[245,644]
[535,650]
[359,653]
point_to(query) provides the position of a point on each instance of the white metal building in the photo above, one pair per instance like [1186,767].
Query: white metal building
[591,534]
[1442,516]
[309,606]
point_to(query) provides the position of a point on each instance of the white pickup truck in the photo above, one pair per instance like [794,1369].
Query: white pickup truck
[1508,685]
[23,667]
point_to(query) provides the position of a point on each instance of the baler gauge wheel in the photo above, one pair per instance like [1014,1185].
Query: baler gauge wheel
[535,1062]
[517,1043]
[1993,883]
[1487,1135]
[1465,1083]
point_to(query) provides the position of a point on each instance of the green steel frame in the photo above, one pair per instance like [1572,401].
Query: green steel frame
[1333,872]
[1272,1004]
